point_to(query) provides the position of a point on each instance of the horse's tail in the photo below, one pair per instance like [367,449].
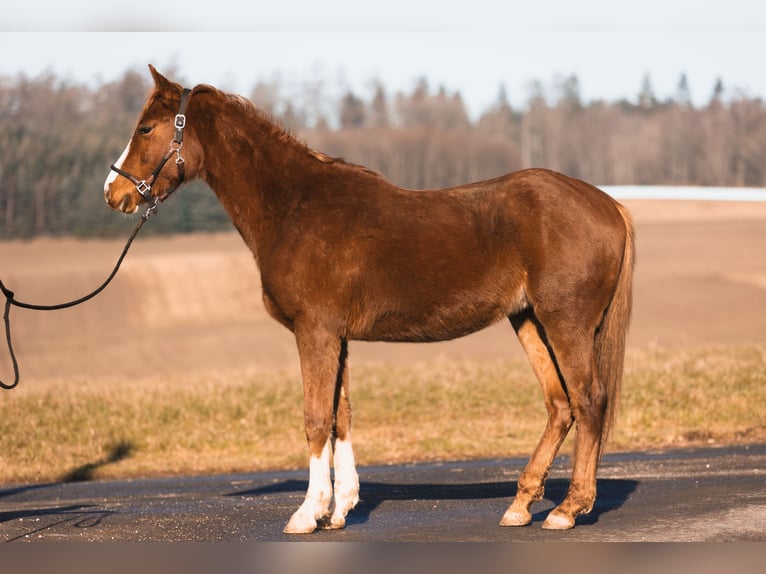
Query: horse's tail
[610,338]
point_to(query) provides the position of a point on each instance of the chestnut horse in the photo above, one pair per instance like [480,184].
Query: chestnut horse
[345,255]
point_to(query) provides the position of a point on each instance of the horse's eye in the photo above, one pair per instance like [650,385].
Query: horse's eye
[143,130]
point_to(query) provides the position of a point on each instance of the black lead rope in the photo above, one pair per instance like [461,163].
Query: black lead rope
[144,188]
[10,300]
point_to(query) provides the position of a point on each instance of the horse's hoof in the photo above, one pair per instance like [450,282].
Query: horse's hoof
[331,523]
[300,524]
[556,521]
[516,518]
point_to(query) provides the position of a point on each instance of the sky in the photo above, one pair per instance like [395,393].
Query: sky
[472,47]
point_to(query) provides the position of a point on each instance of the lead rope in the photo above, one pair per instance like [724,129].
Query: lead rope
[10,299]
[144,188]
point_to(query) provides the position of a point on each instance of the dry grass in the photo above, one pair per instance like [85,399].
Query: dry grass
[443,410]
[689,397]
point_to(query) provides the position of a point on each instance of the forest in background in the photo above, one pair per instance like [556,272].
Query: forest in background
[58,138]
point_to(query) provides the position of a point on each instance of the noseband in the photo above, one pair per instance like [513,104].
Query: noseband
[144,186]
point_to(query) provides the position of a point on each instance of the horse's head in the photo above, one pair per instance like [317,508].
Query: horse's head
[153,163]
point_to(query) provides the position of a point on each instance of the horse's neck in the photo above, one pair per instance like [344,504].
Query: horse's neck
[256,170]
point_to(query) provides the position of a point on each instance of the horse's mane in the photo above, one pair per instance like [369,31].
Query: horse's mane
[274,129]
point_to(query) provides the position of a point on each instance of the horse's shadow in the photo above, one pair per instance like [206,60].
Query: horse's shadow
[612,494]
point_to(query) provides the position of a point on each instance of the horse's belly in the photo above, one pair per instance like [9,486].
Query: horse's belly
[436,324]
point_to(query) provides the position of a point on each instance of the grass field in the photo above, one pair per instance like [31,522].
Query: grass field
[437,411]
[177,369]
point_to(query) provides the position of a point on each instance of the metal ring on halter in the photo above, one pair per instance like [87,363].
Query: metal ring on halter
[144,189]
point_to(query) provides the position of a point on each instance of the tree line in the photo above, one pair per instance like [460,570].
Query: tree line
[58,138]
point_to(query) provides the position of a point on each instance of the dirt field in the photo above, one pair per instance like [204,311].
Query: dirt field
[192,304]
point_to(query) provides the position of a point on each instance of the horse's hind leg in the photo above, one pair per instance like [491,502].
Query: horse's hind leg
[573,348]
[572,345]
[325,388]
[531,483]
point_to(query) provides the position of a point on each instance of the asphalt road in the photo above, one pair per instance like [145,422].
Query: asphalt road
[712,494]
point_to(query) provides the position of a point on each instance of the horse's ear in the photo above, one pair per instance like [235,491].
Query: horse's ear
[160,81]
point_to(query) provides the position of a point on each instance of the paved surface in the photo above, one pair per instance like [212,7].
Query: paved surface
[691,495]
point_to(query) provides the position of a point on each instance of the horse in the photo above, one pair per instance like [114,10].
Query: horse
[345,255]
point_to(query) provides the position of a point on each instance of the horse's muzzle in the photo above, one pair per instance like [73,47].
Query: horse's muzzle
[124,205]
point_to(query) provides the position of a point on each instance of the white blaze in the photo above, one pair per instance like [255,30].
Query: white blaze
[113,174]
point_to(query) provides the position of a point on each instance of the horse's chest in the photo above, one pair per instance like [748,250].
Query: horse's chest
[277,311]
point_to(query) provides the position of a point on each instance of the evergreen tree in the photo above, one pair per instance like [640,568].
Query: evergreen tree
[646,98]
[352,112]
[683,94]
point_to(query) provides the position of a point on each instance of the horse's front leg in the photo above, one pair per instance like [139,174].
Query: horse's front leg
[322,368]
[318,499]
[346,478]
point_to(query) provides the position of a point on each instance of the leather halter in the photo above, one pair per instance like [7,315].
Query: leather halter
[144,186]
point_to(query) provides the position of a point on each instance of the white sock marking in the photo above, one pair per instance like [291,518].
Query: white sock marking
[318,495]
[346,479]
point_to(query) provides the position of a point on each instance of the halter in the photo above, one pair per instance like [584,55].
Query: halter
[144,186]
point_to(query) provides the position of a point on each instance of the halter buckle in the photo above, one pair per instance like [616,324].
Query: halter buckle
[144,189]
[180,121]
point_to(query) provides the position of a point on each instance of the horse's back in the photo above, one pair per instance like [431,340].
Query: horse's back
[449,262]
